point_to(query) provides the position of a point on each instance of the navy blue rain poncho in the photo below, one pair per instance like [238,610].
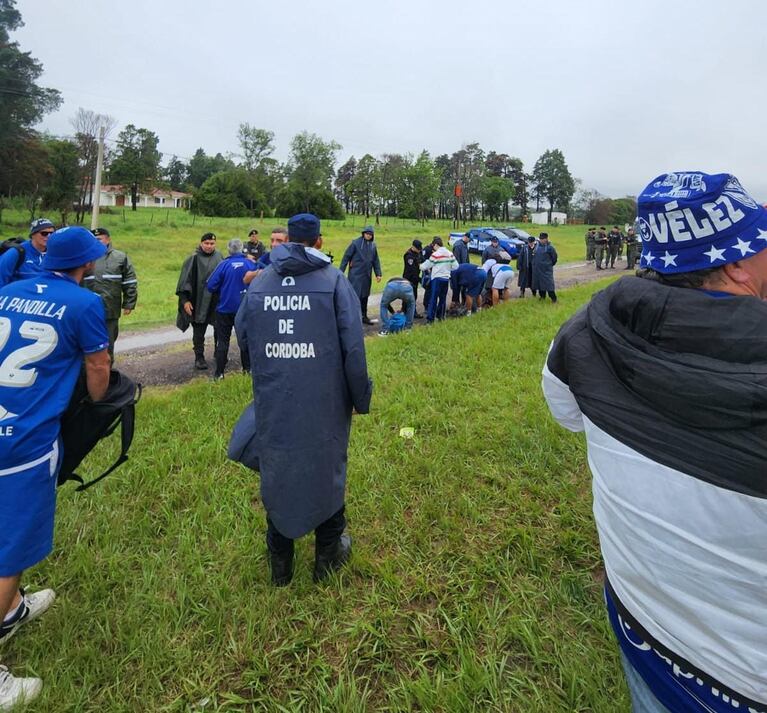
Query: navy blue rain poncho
[301,321]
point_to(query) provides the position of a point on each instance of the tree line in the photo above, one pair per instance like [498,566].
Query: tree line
[57,173]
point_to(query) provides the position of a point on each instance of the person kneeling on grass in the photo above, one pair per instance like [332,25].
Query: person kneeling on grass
[397,288]
[469,280]
[33,396]
[502,277]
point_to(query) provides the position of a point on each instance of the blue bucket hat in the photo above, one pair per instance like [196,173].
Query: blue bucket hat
[303,226]
[692,221]
[40,224]
[71,247]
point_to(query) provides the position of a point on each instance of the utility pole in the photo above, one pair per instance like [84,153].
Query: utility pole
[96,193]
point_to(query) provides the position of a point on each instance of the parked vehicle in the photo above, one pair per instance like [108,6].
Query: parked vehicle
[479,239]
[513,232]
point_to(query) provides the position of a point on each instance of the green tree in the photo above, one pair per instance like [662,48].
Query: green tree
[202,167]
[255,145]
[420,188]
[553,180]
[229,193]
[496,193]
[137,160]
[311,176]
[343,181]
[447,201]
[22,104]
[362,185]
[61,191]
[468,168]
[176,173]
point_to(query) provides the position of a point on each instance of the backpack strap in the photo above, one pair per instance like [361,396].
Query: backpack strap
[20,258]
[127,423]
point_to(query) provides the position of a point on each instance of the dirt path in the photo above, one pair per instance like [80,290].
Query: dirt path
[163,357]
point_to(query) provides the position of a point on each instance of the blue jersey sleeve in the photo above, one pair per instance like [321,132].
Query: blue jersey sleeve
[92,334]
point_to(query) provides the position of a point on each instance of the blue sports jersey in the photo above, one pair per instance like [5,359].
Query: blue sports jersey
[46,325]
[227,281]
[30,267]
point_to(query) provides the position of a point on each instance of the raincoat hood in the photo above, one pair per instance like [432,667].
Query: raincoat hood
[297,259]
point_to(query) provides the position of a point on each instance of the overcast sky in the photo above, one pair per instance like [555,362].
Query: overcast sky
[625,90]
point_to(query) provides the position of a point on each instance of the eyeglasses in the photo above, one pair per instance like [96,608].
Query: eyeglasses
[46,233]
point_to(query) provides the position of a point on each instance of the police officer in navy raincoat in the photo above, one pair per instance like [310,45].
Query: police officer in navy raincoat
[301,322]
[362,258]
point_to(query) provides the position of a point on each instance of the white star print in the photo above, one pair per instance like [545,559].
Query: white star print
[669,259]
[743,246]
[649,257]
[715,253]
[762,234]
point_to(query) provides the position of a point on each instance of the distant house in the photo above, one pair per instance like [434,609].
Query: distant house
[119,196]
[542,218]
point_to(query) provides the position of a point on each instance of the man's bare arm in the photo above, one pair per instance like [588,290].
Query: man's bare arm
[97,368]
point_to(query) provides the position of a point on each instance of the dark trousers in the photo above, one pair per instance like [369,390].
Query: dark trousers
[325,535]
[198,338]
[612,254]
[437,299]
[364,305]
[414,284]
[223,327]
[552,295]
[427,295]
[113,329]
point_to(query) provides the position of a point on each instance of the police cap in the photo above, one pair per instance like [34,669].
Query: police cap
[303,226]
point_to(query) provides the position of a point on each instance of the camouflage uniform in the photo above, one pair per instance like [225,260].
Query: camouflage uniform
[600,248]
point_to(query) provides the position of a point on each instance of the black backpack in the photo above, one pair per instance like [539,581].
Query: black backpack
[86,422]
[14,244]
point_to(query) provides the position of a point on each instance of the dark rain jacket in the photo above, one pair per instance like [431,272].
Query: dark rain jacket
[301,323]
[461,252]
[196,270]
[362,257]
[670,386]
[525,267]
[544,259]
[114,280]
[412,263]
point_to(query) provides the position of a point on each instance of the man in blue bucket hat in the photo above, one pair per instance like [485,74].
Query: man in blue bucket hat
[48,325]
[676,428]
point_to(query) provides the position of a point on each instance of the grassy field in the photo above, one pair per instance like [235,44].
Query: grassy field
[475,583]
[158,240]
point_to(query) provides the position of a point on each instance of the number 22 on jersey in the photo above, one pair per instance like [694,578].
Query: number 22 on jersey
[44,340]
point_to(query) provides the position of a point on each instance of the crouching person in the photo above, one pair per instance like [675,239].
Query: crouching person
[301,323]
[397,288]
[41,356]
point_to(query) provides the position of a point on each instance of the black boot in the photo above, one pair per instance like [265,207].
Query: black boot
[281,566]
[200,363]
[331,558]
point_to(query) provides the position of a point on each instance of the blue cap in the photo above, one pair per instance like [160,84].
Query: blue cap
[692,221]
[303,225]
[71,247]
[40,224]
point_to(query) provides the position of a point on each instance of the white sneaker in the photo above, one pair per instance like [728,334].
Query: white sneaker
[33,606]
[14,691]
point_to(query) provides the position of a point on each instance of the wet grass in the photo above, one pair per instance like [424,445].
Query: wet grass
[475,583]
